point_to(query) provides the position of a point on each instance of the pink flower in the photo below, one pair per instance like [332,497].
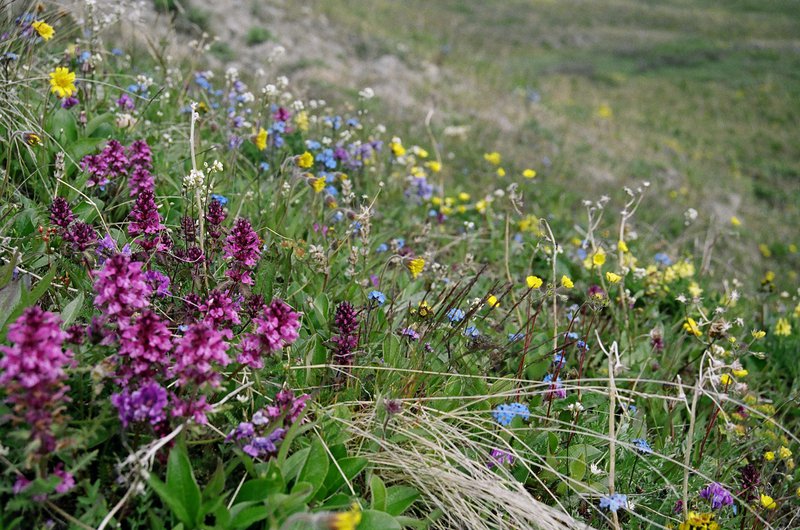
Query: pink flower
[198,353]
[275,327]
[121,287]
[242,248]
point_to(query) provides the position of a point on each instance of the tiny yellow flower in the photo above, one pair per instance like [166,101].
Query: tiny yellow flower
[613,278]
[792,248]
[481,206]
[764,249]
[318,184]
[740,373]
[533,282]
[566,282]
[62,82]
[501,172]
[492,301]
[622,246]
[768,502]
[436,201]
[434,166]
[261,139]
[758,334]
[735,221]
[463,197]
[783,328]
[691,327]
[769,456]
[397,147]
[599,258]
[493,158]
[529,173]
[32,139]
[784,452]
[415,266]
[424,310]
[725,379]
[44,29]
[348,520]
[301,120]
[695,290]
[306,160]
[604,111]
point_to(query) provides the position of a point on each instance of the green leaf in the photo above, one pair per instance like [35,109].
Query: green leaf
[577,467]
[63,126]
[216,483]
[291,468]
[378,493]
[243,515]
[257,490]
[375,520]
[400,498]
[316,465]
[180,480]
[169,497]
[350,467]
[72,309]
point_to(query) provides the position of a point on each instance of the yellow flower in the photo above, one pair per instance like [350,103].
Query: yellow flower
[415,266]
[62,82]
[613,278]
[566,282]
[725,379]
[32,139]
[261,139]
[769,456]
[740,373]
[424,310]
[768,502]
[758,334]
[493,158]
[529,173]
[622,246]
[783,328]
[699,521]
[346,520]
[434,166]
[695,290]
[784,452]
[463,197]
[481,206]
[534,282]
[691,327]
[604,111]
[599,258]
[318,184]
[306,160]
[764,249]
[501,172]
[492,301]
[735,221]
[396,145]
[44,29]
[436,201]
[301,120]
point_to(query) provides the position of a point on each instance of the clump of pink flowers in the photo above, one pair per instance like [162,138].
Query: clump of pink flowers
[121,287]
[345,341]
[242,248]
[276,326]
[33,375]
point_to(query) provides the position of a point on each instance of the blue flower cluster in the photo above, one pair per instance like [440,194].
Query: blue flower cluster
[504,414]
[642,446]
[455,315]
[377,296]
[614,502]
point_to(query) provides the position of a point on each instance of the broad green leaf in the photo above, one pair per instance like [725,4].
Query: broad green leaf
[400,498]
[375,520]
[180,480]
[577,467]
[350,466]
[316,465]
[291,468]
[377,493]
[247,515]
[169,497]
[72,309]
[216,483]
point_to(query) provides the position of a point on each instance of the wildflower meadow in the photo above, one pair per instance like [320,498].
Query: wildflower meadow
[228,303]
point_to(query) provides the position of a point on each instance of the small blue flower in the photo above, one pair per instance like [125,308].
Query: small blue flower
[471,332]
[505,414]
[455,315]
[559,359]
[263,166]
[662,259]
[514,337]
[220,198]
[383,247]
[117,52]
[642,446]
[377,296]
[582,345]
[614,502]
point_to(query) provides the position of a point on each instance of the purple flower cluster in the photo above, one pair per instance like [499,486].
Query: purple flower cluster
[215,217]
[110,163]
[121,287]
[275,327]
[144,348]
[345,325]
[144,220]
[498,457]
[81,236]
[220,308]
[242,248]
[199,350]
[146,404]
[32,372]
[261,436]
[717,495]
[60,213]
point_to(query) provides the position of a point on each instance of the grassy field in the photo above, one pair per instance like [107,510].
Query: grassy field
[699,98]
